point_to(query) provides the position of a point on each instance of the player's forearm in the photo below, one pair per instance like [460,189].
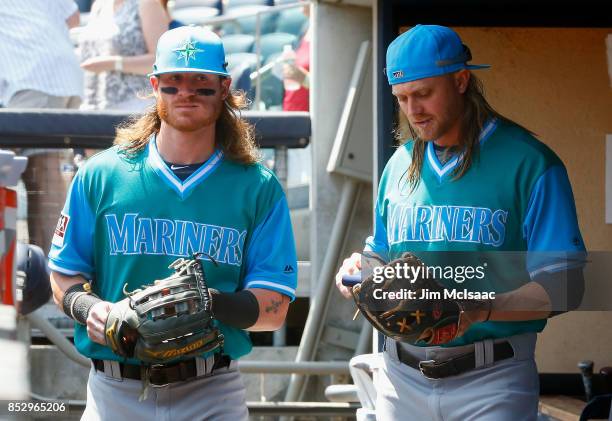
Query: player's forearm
[529,302]
[273,308]
[60,283]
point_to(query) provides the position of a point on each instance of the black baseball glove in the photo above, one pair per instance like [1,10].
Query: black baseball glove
[393,304]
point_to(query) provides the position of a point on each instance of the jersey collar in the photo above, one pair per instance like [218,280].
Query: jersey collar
[182,188]
[442,170]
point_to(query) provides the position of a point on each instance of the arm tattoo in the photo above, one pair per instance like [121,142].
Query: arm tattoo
[274,306]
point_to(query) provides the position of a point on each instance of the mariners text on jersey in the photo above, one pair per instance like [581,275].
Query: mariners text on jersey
[132,234]
[446,223]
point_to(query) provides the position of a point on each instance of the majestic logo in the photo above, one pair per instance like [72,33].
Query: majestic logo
[288,269]
[140,235]
[188,51]
[463,224]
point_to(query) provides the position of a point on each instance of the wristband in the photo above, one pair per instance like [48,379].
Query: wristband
[78,300]
[238,309]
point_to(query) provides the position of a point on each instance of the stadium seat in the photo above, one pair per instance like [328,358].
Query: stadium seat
[182,4]
[292,21]
[247,19]
[240,66]
[274,43]
[238,43]
[228,28]
[84,5]
[240,3]
[194,15]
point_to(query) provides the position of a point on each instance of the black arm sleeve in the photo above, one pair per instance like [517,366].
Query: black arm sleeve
[564,288]
[238,309]
[77,303]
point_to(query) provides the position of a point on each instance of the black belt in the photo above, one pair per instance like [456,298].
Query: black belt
[162,374]
[433,369]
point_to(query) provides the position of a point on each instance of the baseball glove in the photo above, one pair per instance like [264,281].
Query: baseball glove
[387,305]
[166,321]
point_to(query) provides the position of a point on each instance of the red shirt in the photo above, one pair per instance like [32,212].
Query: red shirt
[298,100]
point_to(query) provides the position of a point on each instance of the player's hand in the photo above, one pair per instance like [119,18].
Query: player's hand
[99,64]
[96,321]
[350,266]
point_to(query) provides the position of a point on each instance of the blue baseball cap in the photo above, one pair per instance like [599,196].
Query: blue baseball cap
[426,51]
[190,49]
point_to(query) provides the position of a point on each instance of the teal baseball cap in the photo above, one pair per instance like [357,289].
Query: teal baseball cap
[426,51]
[190,49]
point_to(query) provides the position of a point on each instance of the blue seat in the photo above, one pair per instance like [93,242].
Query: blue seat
[240,66]
[194,15]
[228,28]
[247,20]
[274,43]
[84,5]
[240,3]
[238,43]
[292,21]
[182,4]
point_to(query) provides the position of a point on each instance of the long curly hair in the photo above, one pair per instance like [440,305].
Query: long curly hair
[233,135]
[476,113]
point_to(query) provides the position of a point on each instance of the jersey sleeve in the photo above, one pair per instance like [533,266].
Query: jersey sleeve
[271,261]
[550,227]
[378,242]
[72,244]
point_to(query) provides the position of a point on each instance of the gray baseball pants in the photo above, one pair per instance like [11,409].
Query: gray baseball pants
[218,397]
[507,390]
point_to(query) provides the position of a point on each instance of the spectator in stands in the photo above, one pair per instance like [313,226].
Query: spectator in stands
[117,48]
[298,74]
[39,69]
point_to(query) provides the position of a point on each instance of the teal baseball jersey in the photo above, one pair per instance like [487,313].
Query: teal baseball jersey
[127,218]
[515,197]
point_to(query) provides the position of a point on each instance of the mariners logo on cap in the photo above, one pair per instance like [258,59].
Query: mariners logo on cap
[398,74]
[188,51]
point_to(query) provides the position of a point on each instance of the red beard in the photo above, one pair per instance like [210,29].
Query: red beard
[205,118]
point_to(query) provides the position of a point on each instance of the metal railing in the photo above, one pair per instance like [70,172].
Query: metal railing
[51,128]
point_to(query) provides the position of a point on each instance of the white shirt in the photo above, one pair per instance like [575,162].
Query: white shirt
[35,49]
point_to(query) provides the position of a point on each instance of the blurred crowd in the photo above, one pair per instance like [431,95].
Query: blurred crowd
[103,66]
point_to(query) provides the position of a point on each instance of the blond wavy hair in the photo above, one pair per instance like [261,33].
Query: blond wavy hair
[477,111]
[233,135]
